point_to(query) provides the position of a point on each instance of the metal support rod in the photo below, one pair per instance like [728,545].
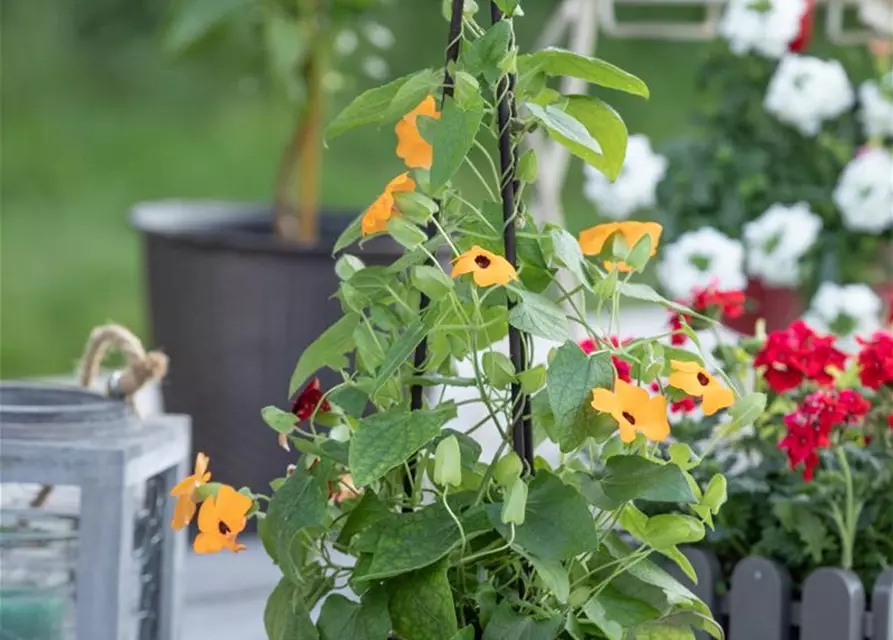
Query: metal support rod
[522,430]
[452,55]
[421,352]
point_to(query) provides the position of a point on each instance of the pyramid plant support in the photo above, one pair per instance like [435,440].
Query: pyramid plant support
[449,534]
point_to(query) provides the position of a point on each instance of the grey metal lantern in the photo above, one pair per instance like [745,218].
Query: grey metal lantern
[121,470]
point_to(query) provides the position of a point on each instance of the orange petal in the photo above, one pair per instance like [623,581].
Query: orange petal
[634,231]
[184,510]
[654,423]
[689,366]
[606,401]
[593,240]
[627,431]
[688,382]
[232,507]
[208,518]
[716,397]
[401,183]
[500,271]
[201,464]
[185,487]
[415,151]
[209,543]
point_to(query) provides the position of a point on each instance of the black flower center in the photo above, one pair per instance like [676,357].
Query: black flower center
[629,417]
[703,379]
[482,261]
[223,528]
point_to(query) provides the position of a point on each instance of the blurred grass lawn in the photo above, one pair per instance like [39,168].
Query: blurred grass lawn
[87,133]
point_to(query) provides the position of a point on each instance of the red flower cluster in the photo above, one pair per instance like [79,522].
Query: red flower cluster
[306,402]
[876,360]
[709,301]
[809,427]
[623,367]
[797,354]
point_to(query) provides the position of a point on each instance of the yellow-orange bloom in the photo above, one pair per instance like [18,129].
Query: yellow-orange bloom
[634,410]
[185,492]
[415,151]
[375,218]
[220,520]
[695,381]
[487,268]
[593,240]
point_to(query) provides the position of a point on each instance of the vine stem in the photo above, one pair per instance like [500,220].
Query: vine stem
[850,515]
[522,429]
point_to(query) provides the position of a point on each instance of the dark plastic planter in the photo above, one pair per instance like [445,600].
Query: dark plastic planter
[234,307]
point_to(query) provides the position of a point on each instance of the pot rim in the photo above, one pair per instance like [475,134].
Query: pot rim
[232,225]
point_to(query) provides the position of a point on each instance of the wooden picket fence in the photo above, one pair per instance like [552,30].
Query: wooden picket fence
[759,606]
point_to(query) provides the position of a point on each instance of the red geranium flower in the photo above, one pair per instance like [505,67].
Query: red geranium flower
[709,301]
[307,401]
[798,354]
[890,420]
[809,427]
[876,360]
[800,43]
[623,368]
[801,443]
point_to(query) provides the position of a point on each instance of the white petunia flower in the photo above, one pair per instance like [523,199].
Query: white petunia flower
[379,35]
[864,191]
[346,42]
[701,258]
[375,67]
[849,311]
[636,186]
[876,107]
[805,92]
[777,240]
[766,28]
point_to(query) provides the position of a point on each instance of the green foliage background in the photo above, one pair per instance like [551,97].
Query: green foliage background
[96,117]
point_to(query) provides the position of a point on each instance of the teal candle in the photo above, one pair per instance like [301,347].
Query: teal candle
[32,613]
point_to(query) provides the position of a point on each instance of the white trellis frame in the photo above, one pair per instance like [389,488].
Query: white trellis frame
[577,23]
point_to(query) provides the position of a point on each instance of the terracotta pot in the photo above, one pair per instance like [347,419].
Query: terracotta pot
[778,306]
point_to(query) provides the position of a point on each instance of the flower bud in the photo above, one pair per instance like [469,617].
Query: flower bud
[515,505]
[508,469]
[448,463]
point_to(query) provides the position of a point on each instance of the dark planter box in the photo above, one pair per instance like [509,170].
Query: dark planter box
[234,307]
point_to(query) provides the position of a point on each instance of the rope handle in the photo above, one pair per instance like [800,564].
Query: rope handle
[142,368]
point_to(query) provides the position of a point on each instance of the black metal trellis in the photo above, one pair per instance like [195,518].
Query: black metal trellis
[421,353]
[452,55]
[522,432]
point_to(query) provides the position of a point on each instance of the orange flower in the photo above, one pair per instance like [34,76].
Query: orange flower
[695,381]
[415,151]
[634,410]
[220,520]
[488,268]
[593,240]
[185,492]
[375,218]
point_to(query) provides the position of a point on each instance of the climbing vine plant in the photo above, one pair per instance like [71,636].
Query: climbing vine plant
[393,523]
